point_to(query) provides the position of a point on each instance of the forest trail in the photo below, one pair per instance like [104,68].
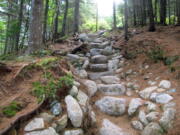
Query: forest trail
[111,95]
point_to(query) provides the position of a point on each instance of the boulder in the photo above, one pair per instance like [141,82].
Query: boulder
[86,64]
[74,132]
[110,79]
[137,125]
[165,84]
[73,57]
[91,87]
[167,118]
[142,118]
[108,128]
[95,51]
[82,98]
[112,106]
[73,91]
[98,67]
[134,105]
[95,76]
[81,73]
[169,105]
[107,51]
[147,92]
[152,116]
[113,65]
[56,108]
[152,129]
[62,123]
[163,98]
[49,131]
[83,37]
[35,124]
[112,89]
[99,59]
[151,107]
[75,113]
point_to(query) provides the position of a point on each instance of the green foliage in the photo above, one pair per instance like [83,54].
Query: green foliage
[170,60]
[156,54]
[42,53]
[47,62]
[66,81]
[12,109]
[6,57]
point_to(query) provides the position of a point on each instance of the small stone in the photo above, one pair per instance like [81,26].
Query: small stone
[134,105]
[93,118]
[35,124]
[81,73]
[61,123]
[98,67]
[129,72]
[112,106]
[75,113]
[56,108]
[147,92]
[152,129]
[49,131]
[91,87]
[113,65]
[110,79]
[165,84]
[152,116]
[86,64]
[47,117]
[99,59]
[142,118]
[169,105]
[107,51]
[82,98]
[119,70]
[153,96]
[151,107]
[74,91]
[152,83]
[137,125]
[77,84]
[163,98]
[74,132]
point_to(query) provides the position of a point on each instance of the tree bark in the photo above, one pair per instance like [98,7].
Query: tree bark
[63,33]
[114,15]
[163,4]
[76,16]
[45,21]
[126,21]
[56,20]
[36,23]
[151,17]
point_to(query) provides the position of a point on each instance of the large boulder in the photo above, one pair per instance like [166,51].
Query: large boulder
[98,67]
[82,98]
[99,59]
[75,113]
[35,124]
[112,89]
[134,105]
[107,51]
[167,118]
[91,87]
[110,79]
[163,98]
[49,131]
[152,129]
[147,92]
[112,106]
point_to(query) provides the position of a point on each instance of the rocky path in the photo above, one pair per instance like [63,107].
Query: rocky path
[109,104]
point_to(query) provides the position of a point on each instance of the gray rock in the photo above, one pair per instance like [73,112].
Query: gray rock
[147,92]
[47,117]
[93,118]
[108,128]
[152,116]
[91,87]
[81,73]
[110,79]
[167,118]
[74,91]
[82,98]
[86,64]
[151,107]
[73,57]
[163,98]
[169,105]
[74,132]
[112,89]
[56,108]
[107,51]
[77,84]
[134,105]
[112,106]
[62,123]
[95,51]
[99,59]
[35,124]
[165,84]
[95,76]
[137,125]
[83,37]
[75,113]
[142,118]
[153,96]
[113,65]
[98,67]
[152,129]
[49,131]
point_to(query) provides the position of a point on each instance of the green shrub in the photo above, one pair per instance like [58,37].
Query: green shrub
[66,81]
[170,60]
[12,109]
[156,54]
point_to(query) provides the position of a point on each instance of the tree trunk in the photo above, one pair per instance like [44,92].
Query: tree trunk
[114,15]
[163,4]
[45,21]
[126,21]
[56,20]
[76,17]
[178,12]
[63,33]
[151,17]
[36,23]
[134,12]
[97,17]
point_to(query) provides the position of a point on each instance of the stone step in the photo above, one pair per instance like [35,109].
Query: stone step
[99,45]
[99,59]
[95,76]
[95,51]
[98,67]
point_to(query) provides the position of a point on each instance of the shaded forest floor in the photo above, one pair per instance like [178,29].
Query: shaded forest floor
[17,84]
